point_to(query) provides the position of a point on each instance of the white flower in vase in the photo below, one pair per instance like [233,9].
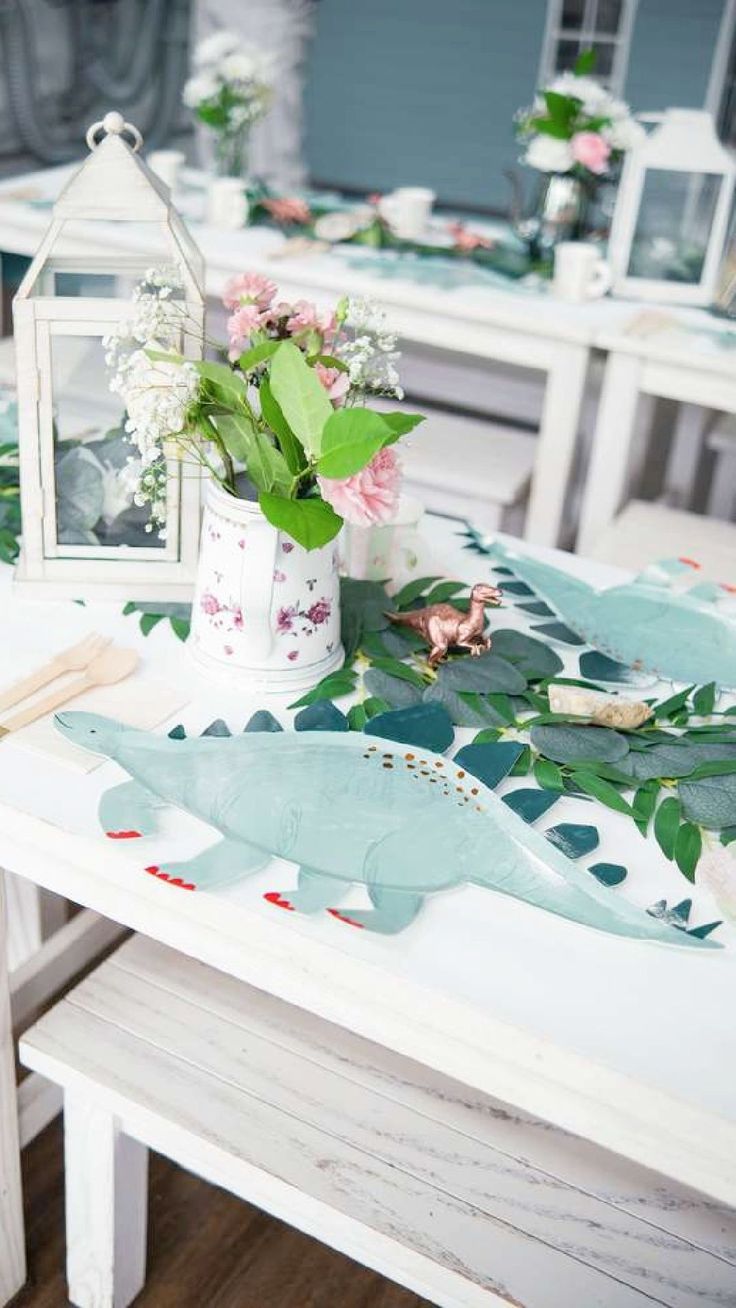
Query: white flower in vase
[549,155]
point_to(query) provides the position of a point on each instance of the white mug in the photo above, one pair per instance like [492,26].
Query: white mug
[167,164]
[387,551]
[407,210]
[580,273]
[227,203]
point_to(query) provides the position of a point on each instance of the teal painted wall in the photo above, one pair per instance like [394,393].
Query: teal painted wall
[423,92]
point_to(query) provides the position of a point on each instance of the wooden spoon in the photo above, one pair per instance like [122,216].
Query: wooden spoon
[104,670]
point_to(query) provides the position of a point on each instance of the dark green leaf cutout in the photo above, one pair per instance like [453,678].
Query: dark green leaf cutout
[489,763]
[397,692]
[515,587]
[530,803]
[558,631]
[728,835]
[487,674]
[503,571]
[538,609]
[609,874]
[323,716]
[263,721]
[711,802]
[532,657]
[572,744]
[702,931]
[574,838]
[425,725]
[177,732]
[598,667]
[666,825]
[217,728]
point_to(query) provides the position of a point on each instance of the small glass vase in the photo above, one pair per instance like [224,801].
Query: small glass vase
[231,153]
[562,213]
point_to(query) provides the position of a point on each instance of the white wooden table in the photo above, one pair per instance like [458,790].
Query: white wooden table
[547,1026]
[695,366]
[466,313]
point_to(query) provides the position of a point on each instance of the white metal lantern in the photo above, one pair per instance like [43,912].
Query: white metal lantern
[83,535]
[672,212]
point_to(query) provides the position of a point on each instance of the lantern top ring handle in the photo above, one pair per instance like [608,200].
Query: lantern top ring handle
[113,124]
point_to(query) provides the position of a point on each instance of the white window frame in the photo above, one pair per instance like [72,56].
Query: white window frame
[587,35]
[721,58]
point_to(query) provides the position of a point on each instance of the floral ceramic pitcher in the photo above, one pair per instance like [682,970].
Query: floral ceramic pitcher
[266,612]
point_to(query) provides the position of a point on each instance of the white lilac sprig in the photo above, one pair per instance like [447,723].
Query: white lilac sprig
[230,87]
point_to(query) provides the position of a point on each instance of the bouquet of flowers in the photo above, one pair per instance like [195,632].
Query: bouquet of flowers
[576,126]
[229,91]
[286,419]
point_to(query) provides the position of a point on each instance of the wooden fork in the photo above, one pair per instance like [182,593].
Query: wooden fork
[108,667]
[74,659]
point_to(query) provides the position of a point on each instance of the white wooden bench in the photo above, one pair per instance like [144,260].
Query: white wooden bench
[454,1195]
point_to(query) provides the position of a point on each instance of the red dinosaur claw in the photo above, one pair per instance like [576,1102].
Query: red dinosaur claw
[153,869]
[275,897]
[122,835]
[342,918]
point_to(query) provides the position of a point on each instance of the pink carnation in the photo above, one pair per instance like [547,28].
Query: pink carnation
[590,150]
[305,316]
[335,382]
[249,288]
[240,327]
[369,496]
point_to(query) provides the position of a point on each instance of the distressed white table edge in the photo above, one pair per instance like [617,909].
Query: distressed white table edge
[560,1086]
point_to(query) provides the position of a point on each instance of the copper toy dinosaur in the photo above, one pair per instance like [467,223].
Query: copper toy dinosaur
[442,625]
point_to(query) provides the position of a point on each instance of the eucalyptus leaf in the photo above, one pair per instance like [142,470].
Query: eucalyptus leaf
[445,590]
[532,657]
[711,802]
[396,692]
[401,670]
[413,590]
[573,744]
[465,711]
[488,674]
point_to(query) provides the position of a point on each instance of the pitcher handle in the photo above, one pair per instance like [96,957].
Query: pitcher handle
[256,587]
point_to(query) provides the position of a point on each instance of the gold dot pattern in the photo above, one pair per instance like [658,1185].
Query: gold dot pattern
[439,772]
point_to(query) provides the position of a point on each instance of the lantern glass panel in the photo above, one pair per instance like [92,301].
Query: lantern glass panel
[673,225]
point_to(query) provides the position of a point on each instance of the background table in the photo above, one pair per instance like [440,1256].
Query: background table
[629,1045]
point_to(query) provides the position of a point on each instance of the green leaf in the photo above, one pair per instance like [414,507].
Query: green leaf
[412,591]
[716,768]
[602,790]
[272,415]
[532,657]
[688,845]
[559,631]
[487,736]
[445,590]
[523,763]
[311,523]
[561,108]
[575,744]
[666,825]
[704,699]
[487,674]
[503,707]
[333,686]
[259,353]
[465,710]
[401,670]
[149,621]
[300,395]
[395,690]
[180,628]
[222,382]
[329,361]
[585,63]
[673,704]
[401,423]
[644,804]
[547,774]
[350,438]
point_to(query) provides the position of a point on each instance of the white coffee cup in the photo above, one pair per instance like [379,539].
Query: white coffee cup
[580,273]
[227,203]
[407,210]
[167,164]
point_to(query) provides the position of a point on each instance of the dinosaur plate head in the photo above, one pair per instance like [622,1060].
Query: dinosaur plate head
[90,730]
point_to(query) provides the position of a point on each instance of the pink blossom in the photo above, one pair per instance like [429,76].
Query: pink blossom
[371,495]
[240,327]
[319,612]
[285,619]
[467,241]
[305,316]
[590,150]
[249,288]
[209,604]
[335,382]
[290,209]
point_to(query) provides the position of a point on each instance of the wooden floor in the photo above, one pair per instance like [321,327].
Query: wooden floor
[205,1248]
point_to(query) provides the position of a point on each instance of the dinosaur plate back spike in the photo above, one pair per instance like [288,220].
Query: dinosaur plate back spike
[349,809]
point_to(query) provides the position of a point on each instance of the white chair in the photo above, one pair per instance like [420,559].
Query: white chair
[722,494]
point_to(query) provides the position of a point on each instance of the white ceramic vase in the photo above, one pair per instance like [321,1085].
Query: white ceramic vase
[266,612]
